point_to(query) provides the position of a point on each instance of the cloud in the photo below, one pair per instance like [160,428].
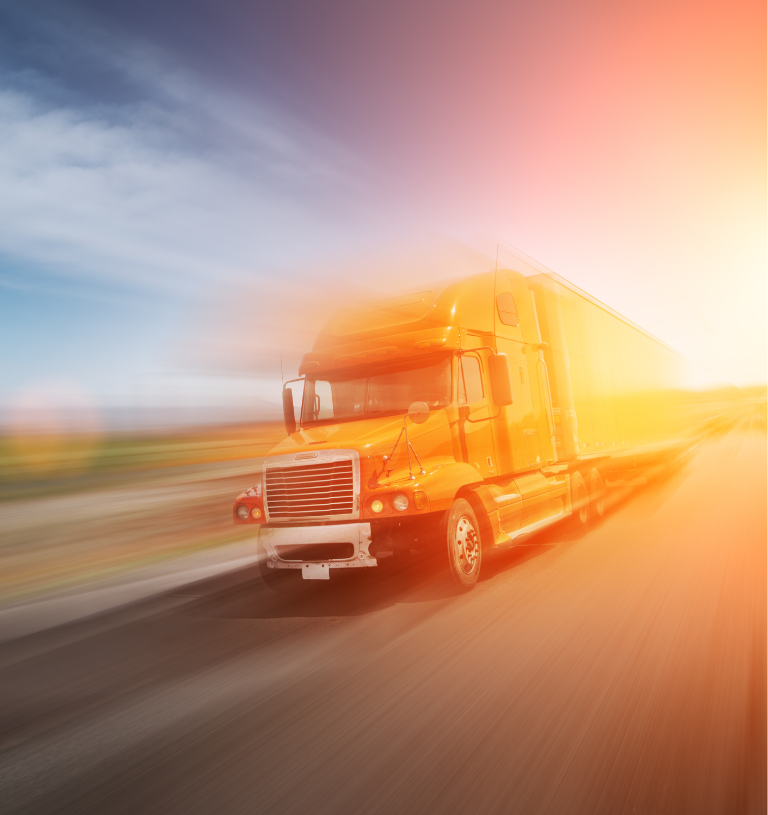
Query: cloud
[263,327]
[186,186]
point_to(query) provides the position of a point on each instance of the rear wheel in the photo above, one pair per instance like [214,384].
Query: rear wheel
[596,492]
[465,554]
[579,499]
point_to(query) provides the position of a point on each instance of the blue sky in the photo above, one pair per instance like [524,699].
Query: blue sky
[133,188]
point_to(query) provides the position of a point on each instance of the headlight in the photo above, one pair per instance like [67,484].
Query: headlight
[376,506]
[242,512]
[256,513]
[400,502]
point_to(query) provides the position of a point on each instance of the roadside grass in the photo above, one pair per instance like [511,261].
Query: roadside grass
[31,465]
[80,507]
[77,509]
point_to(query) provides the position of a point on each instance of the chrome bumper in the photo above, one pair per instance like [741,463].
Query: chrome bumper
[359,535]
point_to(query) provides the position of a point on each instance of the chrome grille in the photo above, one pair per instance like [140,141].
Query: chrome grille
[325,488]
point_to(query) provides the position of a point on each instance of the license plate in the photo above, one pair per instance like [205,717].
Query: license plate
[316,571]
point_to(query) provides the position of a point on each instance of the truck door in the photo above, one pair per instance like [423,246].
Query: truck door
[517,433]
[475,433]
[518,436]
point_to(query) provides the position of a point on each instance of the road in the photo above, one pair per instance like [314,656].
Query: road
[621,669]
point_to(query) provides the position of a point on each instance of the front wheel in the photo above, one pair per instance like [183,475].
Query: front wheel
[278,580]
[465,554]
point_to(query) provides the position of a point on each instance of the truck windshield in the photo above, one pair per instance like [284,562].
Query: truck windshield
[356,393]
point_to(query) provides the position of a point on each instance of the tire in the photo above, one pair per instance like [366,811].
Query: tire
[596,492]
[277,580]
[464,550]
[580,505]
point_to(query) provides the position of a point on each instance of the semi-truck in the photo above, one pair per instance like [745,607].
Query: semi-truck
[462,417]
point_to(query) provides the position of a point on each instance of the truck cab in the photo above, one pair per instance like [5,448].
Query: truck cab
[425,420]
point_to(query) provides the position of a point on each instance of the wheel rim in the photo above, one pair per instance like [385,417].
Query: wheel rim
[467,545]
[599,495]
[583,504]
[600,504]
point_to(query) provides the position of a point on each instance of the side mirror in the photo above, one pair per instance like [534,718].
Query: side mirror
[501,381]
[418,412]
[289,416]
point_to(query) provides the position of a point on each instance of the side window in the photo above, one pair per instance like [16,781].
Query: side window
[323,407]
[470,380]
[507,308]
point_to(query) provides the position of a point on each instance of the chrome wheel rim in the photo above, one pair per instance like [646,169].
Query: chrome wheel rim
[467,545]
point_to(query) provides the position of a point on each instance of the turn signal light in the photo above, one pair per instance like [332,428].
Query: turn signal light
[376,506]
[256,513]
[420,499]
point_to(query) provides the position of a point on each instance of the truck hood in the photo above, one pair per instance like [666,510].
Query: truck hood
[374,436]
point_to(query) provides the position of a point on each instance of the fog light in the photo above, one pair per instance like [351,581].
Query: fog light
[420,499]
[400,502]
[256,513]
[376,506]
[242,512]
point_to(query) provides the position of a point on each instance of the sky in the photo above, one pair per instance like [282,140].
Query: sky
[182,182]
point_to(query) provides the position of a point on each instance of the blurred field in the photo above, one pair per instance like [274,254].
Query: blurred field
[75,508]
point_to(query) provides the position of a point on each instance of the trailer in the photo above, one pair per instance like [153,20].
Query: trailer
[463,417]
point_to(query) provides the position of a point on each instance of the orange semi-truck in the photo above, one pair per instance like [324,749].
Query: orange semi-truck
[463,416]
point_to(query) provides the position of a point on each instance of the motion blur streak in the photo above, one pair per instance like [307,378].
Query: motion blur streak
[188,193]
[621,669]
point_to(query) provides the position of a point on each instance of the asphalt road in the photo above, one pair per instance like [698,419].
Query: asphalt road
[617,670]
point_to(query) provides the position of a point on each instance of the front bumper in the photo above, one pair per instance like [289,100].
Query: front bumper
[277,540]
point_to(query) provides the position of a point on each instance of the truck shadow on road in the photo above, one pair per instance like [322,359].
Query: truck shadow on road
[352,593]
